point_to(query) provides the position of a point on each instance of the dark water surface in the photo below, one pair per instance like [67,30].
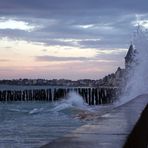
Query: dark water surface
[33,124]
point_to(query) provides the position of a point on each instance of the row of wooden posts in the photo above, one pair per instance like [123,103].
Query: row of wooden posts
[92,96]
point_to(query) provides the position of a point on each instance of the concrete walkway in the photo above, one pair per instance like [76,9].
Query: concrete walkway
[110,131]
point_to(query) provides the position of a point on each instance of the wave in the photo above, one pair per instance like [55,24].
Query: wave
[36,110]
[28,111]
[18,110]
[72,101]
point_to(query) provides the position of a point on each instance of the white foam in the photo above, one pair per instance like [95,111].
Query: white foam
[138,82]
[73,100]
[36,110]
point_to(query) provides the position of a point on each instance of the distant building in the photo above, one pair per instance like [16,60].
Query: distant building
[130,60]
[120,77]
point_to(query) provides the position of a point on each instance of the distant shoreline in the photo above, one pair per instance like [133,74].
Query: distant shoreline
[23,87]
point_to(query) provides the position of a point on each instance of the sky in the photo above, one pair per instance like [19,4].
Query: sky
[55,39]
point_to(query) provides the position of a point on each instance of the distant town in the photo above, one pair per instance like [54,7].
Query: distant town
[110,80]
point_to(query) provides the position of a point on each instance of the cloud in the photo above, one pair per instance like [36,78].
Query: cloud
[13,24]
[84,19]
[104,26]
[102,55]
[55,58]
[4,60]
[76,5]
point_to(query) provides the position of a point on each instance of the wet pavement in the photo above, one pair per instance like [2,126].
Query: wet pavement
[110,131]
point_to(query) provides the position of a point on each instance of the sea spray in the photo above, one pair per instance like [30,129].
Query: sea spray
[75,106]
[72,100]
[137,81]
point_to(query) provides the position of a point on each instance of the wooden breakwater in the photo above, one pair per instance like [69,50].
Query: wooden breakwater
[91,95]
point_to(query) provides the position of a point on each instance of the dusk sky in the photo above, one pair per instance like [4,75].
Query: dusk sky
[71,39]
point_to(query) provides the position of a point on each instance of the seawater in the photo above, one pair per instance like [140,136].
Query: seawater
[33,124]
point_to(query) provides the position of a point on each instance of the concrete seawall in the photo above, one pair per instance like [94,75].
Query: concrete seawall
[110,131]
[138,138]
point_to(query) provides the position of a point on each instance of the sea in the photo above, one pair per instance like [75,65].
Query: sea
[32,124]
